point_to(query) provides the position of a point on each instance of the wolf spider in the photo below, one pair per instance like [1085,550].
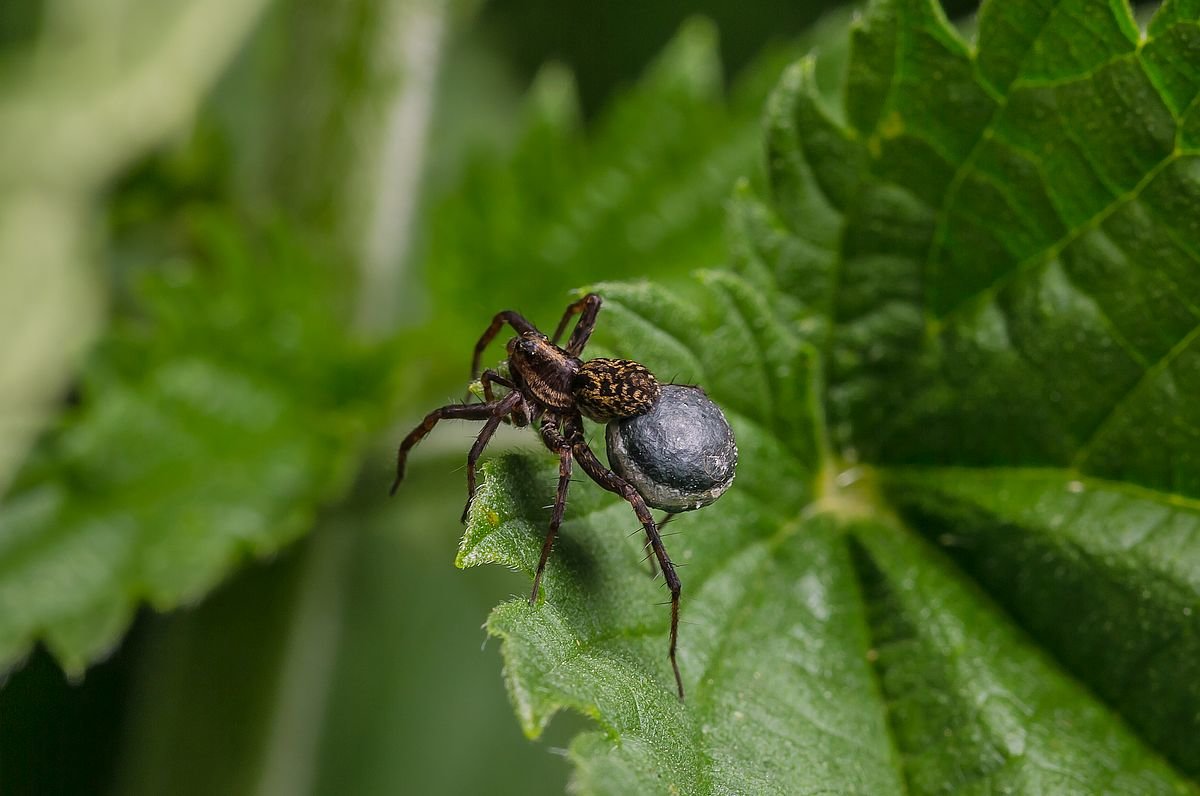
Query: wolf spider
[552,389]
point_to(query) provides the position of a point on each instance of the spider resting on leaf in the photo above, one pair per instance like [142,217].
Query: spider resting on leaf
[669,439]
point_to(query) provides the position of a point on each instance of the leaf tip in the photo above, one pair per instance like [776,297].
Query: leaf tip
[554,96]
[532,714]
[692,59]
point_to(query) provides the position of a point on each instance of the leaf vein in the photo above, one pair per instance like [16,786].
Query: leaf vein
[1055,249]
[1118,406]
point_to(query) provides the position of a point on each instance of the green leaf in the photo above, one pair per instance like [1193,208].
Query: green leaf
[209,428]
[640,190]
[66,105]
[772,598]
[1103,573]
[963,315]
[974,708]
[325,113]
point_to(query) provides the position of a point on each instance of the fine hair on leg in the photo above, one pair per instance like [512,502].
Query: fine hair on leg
[499,410]
[490,377]
[670,515]
[556,517]
[521,415]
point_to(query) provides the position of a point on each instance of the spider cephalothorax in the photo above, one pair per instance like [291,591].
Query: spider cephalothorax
[551,388]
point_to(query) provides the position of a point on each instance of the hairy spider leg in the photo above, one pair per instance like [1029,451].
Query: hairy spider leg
[449,412]
[499,409]
[587,308]
[614,483]
[521,416]
[524,414]
[555,442]
[490,377]
[513,319]
[670,515]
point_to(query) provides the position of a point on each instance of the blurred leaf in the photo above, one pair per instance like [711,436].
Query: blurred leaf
[638,193]
[102,83]
[300,676]
[209,429]
[966,314]
[327,113]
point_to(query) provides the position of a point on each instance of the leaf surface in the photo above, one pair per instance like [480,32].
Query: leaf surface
[961,314]
[772,599]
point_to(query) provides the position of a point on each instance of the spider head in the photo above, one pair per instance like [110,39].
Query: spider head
[533,350]
[528,345]
[607,389]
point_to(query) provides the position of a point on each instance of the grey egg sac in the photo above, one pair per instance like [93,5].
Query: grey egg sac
[680,455]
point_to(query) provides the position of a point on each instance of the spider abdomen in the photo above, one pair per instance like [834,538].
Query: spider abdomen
[606,389]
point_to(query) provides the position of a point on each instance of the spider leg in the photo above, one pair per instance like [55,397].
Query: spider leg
[450,412]
[497,410]
[490,377]
[523,415]
[614,483]
[513,319]
[587,308]
[555,442]
[670,515]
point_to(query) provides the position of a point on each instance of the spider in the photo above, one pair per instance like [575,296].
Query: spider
[552,389]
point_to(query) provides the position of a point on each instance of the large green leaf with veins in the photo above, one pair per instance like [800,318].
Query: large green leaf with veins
[959,348]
